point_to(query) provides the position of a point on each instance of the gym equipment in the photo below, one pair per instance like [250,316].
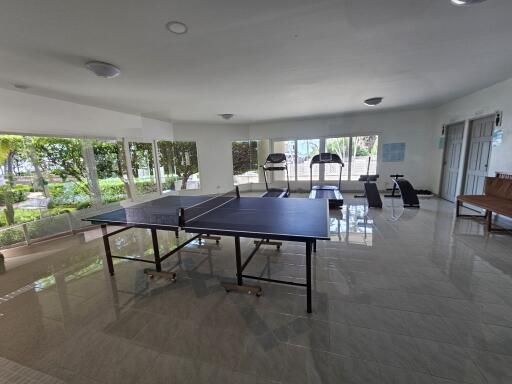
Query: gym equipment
[276,162]
[408,193]
[371,193]
[394,190]
[330,192]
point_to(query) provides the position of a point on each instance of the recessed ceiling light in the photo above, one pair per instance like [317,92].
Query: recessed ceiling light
[102,69]
[466,2]
[176,27]
[374,101]
[226,116]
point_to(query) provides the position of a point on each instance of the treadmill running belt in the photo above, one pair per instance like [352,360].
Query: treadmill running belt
[325,194]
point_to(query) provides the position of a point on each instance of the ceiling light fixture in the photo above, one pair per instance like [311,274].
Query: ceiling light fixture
[374,101]
[466,2]
[102,69]
[226,116]
[176,27]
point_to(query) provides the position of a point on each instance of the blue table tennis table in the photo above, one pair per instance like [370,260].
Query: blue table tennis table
[292,219]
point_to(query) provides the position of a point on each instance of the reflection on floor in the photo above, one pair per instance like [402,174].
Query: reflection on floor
[400,296]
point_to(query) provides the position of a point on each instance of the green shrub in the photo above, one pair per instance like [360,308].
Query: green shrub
[145,186]
[112,190]
[19,194]
[28,215]
[69,194]
[11,236]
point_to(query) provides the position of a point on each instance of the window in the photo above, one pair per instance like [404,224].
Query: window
[44,180]
[143,167]
[306,149]
[179,168]
[288,148]
[42,177]
[111,170]
[65,175]
[364,148]
[245,162]
[353,150]
[341,147]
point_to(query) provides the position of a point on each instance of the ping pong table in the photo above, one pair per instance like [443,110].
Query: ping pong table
[292,219]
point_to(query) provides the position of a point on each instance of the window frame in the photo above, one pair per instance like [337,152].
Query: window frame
[323,140]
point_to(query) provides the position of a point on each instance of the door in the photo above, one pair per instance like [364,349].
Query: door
[477,164]
[452,151]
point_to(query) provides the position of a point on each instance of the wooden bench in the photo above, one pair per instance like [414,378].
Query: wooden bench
[497,198]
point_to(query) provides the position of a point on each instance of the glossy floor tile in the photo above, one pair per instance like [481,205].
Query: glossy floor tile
[399,296]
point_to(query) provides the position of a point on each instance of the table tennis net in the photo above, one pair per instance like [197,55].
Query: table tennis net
[190,213]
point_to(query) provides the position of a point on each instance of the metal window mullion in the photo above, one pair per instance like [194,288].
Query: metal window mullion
[349,158]
[321,174]
[296,148]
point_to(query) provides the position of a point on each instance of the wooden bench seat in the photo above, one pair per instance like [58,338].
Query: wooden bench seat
[497,199]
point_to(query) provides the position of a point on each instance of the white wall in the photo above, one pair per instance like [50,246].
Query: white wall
[411,127]
[30,114]
[484,102]
[214,151]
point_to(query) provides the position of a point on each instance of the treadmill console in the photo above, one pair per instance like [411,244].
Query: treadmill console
[276,158]
[325,157]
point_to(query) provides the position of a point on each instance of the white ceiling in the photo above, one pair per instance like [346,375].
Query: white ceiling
[258,59]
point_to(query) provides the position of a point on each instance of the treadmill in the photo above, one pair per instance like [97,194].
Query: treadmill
[276,162]
[330,192]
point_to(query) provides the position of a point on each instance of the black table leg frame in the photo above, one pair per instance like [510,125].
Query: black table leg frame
[158,259]
[253,289]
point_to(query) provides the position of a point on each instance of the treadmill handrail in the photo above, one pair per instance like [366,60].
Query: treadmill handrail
[335,159]
[276,158]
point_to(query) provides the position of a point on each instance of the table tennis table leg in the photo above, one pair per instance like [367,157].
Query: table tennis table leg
[239,286]
[108,252]
[308,275]
[238,261]
[156,250]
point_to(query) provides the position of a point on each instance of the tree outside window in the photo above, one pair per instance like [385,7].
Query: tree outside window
[179,167]
[245,162]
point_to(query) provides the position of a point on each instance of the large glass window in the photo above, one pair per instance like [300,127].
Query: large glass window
[111,170]
[288,148]
[64,171]
[341,147]
[43,180]
[143,167]
[306,149]
[353,150]
[42,177]
[364,149]
[179,168]
[245,161]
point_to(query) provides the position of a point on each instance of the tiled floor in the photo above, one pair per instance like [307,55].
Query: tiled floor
[399,297]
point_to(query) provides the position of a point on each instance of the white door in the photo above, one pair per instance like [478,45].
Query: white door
[478,155]
[452,150]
